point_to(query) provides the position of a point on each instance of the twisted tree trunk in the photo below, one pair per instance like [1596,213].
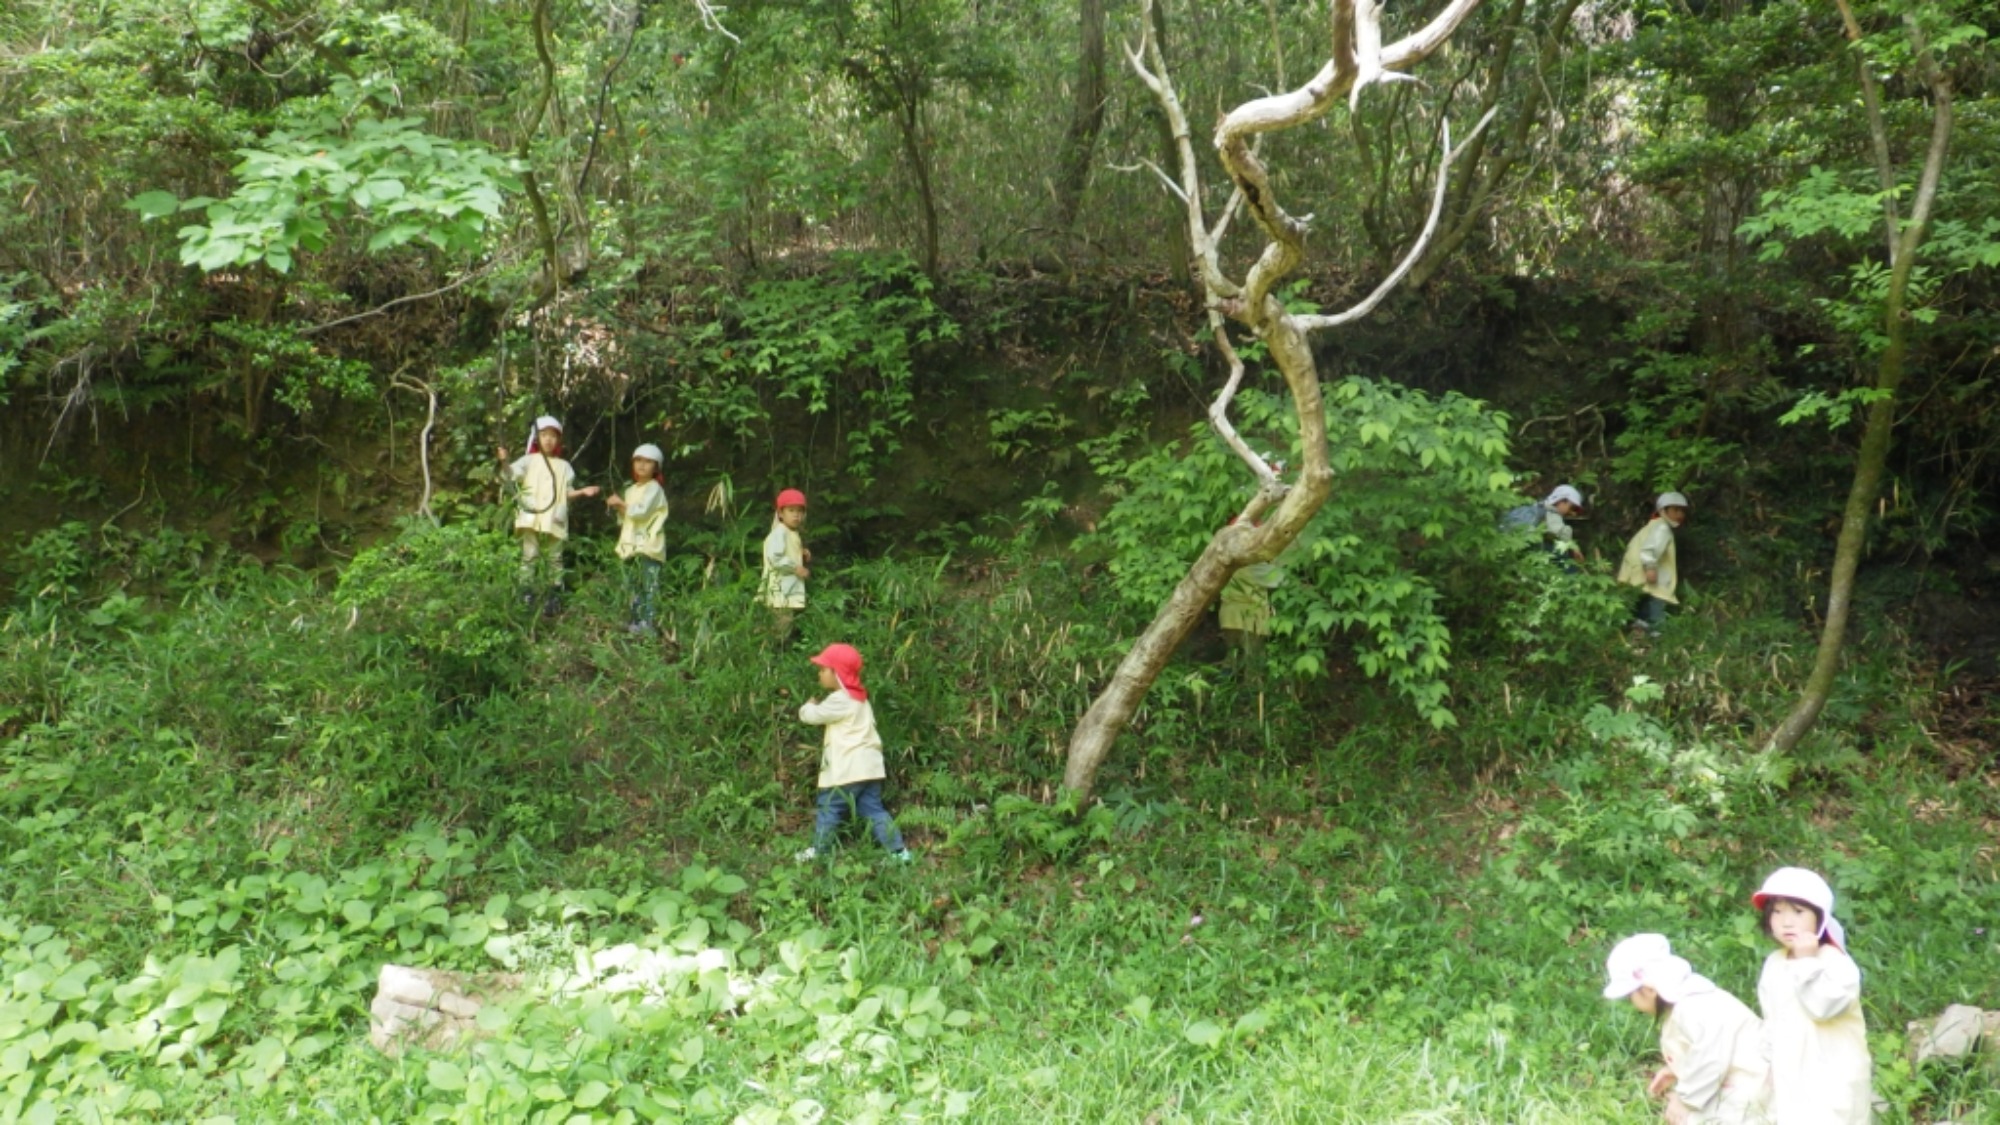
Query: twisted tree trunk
[1359,60]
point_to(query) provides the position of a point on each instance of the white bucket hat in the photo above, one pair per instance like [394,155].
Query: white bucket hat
[1670,500]
[1564,492]
[1800,885]
[1626,968]
[651,453]
[547,422]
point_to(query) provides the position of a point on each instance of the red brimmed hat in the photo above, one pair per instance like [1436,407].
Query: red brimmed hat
[791,498]
[844,661]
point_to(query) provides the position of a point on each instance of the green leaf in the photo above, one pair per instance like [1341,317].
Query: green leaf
[445,1075]
[591,1095]
[1204,1033]
[154,205]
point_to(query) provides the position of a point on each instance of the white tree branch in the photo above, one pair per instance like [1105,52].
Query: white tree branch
[1402,270]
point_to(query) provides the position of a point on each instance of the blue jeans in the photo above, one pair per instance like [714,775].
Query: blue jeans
[864,797]
[1651,612]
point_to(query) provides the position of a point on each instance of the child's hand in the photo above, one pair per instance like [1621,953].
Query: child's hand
[1652,577]
[503,454]
[591,491]
[1677,1110]
[805,554]
[1803,945]
[1662,1082]
[614,502]
[804,572]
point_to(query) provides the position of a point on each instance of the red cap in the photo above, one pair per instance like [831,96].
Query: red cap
[791,498]
[845,663]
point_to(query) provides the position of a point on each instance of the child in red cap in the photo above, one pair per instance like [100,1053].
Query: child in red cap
[783,587]
[850,761]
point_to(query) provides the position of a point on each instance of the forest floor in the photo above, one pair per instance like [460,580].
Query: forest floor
[226,809]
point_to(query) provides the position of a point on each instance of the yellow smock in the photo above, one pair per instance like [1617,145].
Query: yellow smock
[1246,598]
[853,748]
[1816,1039]
[545,486]
[1714,1044]
[1652,547]
[784,554]
[643,530]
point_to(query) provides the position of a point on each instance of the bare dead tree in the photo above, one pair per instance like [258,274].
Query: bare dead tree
[1278,512]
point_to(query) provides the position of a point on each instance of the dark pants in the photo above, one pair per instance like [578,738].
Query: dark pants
[863,797]
[1650,613]
[642,578]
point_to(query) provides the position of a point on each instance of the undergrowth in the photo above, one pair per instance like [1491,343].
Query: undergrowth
[225,804]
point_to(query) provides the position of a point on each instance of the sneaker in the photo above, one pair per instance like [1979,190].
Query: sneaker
[806,856]
[904,856]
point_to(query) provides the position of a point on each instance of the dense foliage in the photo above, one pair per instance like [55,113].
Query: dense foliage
[272,270]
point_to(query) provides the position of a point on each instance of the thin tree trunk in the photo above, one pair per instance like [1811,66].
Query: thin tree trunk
[911,120]
[1086,116]
[1903,240]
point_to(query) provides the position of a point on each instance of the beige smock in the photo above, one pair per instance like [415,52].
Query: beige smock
[545,486]
[1246,598]
[643,530]
[1653,547]
[1816,1039]
[853,748]
[1714,1044]
[784,554]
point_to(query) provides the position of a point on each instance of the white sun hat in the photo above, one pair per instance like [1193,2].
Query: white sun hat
[1671,500]
[1564,492]
[1804,886]
[547,422]
[651,453]
[1626,968]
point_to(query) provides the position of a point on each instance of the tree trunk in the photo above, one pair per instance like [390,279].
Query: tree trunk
[1903,240]
[1234,546]
[1086,116]
[1359,58]
[911,119]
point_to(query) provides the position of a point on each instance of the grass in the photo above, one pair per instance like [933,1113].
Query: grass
[222,813]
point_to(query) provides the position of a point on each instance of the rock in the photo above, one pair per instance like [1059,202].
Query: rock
[1953,1035]
[430,1007]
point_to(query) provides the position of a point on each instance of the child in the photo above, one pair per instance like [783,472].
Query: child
[1649,562]
[850,762]
[1561,506]
[642,535]
[542,522]
[1715,1068]
[1245,611]
[785,559]
[1810,992]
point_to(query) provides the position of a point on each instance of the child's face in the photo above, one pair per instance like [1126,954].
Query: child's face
[792,517]
[1676,515]
[550,439]
[827,679]
[1646,1000]
[1567,508]
[643,468]
[1792,922]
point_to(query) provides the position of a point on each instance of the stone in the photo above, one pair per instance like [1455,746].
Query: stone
[431,1008]
[1953,1035]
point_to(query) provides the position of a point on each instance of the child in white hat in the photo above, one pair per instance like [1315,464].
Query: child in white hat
[642,534]
[542,519]
[1715,1069]
[1810,992]
[1651,563]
